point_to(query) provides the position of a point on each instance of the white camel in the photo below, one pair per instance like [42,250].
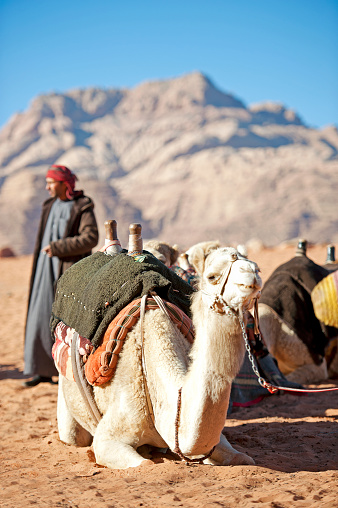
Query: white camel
[203,372]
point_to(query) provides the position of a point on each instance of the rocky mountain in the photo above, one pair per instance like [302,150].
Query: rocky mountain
[186,160]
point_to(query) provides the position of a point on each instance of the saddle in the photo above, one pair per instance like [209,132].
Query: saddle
[100,364]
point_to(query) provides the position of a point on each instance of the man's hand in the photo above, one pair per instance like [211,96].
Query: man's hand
[47,250]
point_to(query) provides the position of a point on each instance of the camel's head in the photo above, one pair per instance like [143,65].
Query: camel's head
[229,279]
[166,253]
[192,256]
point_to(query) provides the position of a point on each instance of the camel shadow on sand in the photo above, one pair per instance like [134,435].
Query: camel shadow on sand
[289,447]
[279,446]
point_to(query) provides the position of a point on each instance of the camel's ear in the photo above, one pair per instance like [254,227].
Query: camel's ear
[197,259]
[174,253]
[156,253]
[211,246]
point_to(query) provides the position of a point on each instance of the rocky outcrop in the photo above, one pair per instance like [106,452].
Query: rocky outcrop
[189,162]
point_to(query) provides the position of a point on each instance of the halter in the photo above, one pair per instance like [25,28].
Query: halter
[217,302]
[219,305]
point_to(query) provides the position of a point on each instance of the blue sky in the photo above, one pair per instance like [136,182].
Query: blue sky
[280,50]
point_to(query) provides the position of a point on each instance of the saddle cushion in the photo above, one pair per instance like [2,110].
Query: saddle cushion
[325,299]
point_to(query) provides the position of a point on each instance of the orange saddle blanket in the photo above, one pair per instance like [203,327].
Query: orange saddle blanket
[100,365]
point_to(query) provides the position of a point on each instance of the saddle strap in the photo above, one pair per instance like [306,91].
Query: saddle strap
[144,367]
[82,384]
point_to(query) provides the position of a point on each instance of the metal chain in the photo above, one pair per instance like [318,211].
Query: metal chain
[248,348]
[215,305]
[261,380]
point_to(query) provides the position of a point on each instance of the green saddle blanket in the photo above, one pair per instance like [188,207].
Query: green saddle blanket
[93,291]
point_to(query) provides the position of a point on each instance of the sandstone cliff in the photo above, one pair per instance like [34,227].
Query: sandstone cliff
[183,158]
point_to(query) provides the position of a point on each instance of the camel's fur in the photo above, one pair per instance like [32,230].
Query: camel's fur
[166,253]
[204,371]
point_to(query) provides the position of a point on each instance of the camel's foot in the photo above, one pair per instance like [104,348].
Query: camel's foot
[117,455]
[225,455]
[238,459]
[242,459]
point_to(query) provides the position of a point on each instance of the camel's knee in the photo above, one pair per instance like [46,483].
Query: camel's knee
[310,373]
[70,431]
[75,435]
[284,344]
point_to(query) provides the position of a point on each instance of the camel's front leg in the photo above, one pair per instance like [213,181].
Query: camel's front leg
[117,437]
[225,455]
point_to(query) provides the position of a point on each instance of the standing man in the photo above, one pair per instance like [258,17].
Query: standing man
[67,233]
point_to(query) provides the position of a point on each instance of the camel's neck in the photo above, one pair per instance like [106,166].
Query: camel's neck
[216,357]
[219,346]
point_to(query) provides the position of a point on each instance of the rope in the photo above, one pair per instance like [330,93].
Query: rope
[177,424]
[110,244]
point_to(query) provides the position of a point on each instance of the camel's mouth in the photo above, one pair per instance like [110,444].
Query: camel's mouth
[249,287]
[249,293]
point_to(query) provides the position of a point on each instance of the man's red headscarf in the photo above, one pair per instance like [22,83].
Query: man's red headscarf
[63,174]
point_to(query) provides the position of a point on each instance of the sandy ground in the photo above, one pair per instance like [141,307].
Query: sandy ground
[293,439]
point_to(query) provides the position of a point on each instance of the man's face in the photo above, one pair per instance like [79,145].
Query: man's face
[56,189]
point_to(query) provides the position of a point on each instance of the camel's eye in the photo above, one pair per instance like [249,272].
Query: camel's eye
[212,278]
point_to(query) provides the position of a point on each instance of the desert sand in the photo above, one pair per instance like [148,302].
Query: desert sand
[293,439]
